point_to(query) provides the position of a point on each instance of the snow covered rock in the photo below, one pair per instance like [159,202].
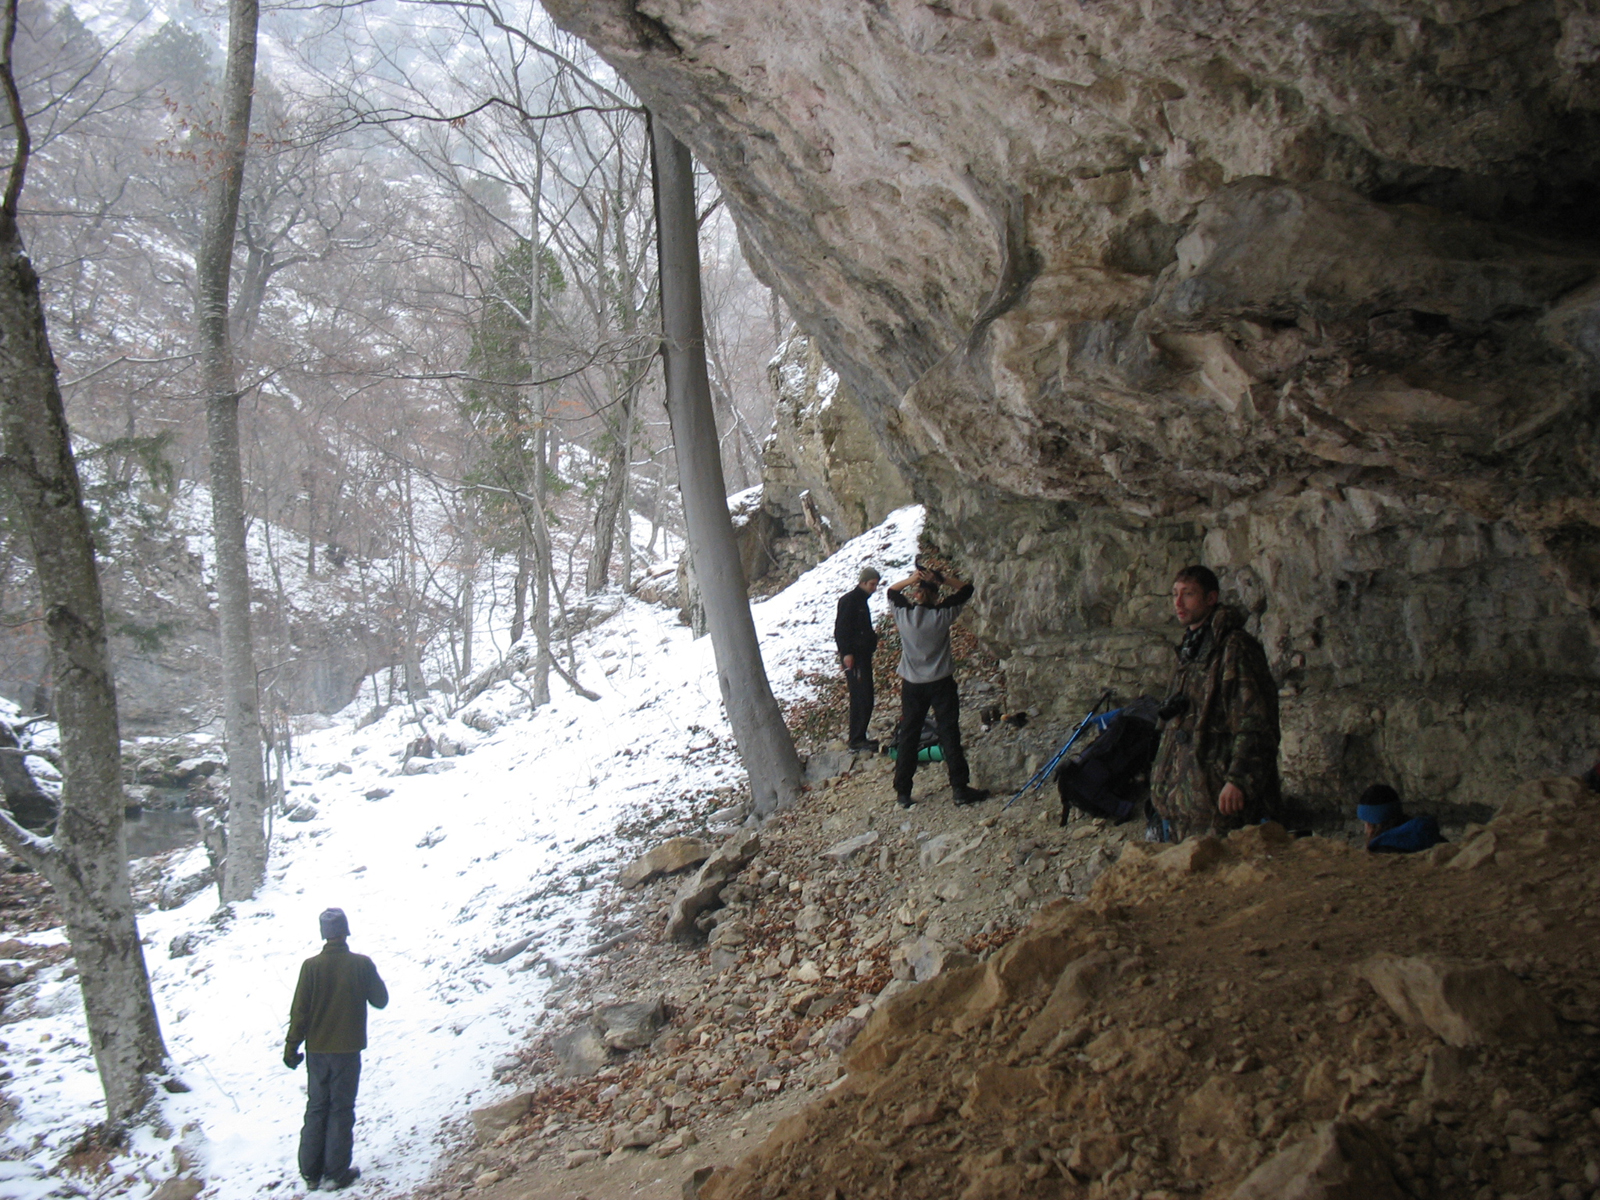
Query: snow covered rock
[303,811]
[507,953]
[673,855]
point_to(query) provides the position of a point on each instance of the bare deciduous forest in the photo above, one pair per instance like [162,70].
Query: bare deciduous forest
[443,311]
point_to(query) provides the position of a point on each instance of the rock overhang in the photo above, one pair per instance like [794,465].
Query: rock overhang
[1306,291]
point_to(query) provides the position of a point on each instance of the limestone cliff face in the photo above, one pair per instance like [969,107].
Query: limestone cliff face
[1307,291]
[823,462]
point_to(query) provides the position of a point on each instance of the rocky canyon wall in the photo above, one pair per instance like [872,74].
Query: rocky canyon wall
[1307,291]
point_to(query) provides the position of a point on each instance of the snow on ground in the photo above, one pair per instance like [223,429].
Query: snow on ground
[505,842]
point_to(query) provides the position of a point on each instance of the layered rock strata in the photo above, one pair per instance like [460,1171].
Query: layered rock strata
[1308,292]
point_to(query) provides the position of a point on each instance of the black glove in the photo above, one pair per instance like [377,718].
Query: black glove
[292,1058]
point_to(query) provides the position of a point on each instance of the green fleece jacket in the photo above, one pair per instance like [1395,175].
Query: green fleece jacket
[329,1013]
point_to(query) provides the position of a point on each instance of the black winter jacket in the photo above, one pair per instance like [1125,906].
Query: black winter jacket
[852,628]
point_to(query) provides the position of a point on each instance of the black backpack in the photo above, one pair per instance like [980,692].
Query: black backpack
[1112,776]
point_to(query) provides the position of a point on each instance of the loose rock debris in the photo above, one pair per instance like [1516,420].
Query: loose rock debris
[1245,1017]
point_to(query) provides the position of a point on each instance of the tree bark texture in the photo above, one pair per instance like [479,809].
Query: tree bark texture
[764,741]
[245,866]
[85,860]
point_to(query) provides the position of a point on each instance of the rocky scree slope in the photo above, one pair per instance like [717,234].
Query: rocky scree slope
[1307,291]
[1169,1021]
[1250,1018]
[843,902]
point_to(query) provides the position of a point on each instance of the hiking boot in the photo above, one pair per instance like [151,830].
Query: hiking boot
[866,744]
[904,800]
[337,1183]
[970,795]
[313,1182]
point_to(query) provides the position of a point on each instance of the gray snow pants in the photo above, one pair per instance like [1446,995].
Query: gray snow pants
[327,1137]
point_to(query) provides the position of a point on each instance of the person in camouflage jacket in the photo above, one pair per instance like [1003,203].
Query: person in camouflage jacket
[1217,766]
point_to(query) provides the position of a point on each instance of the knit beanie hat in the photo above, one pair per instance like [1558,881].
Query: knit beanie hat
[1378,804]
[333,924]
[868,575]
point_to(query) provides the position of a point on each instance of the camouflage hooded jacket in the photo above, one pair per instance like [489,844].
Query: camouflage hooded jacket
[1228,735]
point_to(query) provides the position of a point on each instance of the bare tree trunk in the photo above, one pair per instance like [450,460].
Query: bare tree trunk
[85,861]
[245,866]
[519,597]
[466,620]
[543,555]
[764,742]
[610,508]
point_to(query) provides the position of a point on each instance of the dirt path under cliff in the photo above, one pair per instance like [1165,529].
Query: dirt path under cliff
[1223,1022]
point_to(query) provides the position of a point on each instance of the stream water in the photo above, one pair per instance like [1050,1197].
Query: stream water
[155,831]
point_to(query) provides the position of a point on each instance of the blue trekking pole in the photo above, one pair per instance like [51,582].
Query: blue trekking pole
[1045,771]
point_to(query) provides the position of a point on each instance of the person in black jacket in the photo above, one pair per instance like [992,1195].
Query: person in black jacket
[856,639]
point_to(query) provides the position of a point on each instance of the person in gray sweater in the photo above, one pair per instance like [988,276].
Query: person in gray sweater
[928,679]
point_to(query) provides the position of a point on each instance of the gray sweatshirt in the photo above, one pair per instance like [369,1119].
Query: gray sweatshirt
[925,635]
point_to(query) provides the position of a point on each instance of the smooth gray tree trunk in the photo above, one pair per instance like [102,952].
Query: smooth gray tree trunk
[543,551]
[764,741]
[84,861]
[245,866]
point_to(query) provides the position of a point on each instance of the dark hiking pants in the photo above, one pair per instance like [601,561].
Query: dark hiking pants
[327,1136]
[915,700]
[859,680]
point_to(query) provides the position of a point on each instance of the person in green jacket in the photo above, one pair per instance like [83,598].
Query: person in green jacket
[329,1015]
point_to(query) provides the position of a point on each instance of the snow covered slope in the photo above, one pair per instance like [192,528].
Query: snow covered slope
[507,842]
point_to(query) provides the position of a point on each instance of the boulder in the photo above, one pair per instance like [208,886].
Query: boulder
[490,1121]
[189,768]
[580,1051]
[378,793]
[179,1189]
[703,890]
[1464,1005]
[828,764]
[673,855]
[644,1134]
[629,1026]
[1341,1161]
[922,958]
[303,811]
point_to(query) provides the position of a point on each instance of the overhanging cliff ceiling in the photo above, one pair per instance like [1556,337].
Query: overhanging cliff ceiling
[1164,256]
